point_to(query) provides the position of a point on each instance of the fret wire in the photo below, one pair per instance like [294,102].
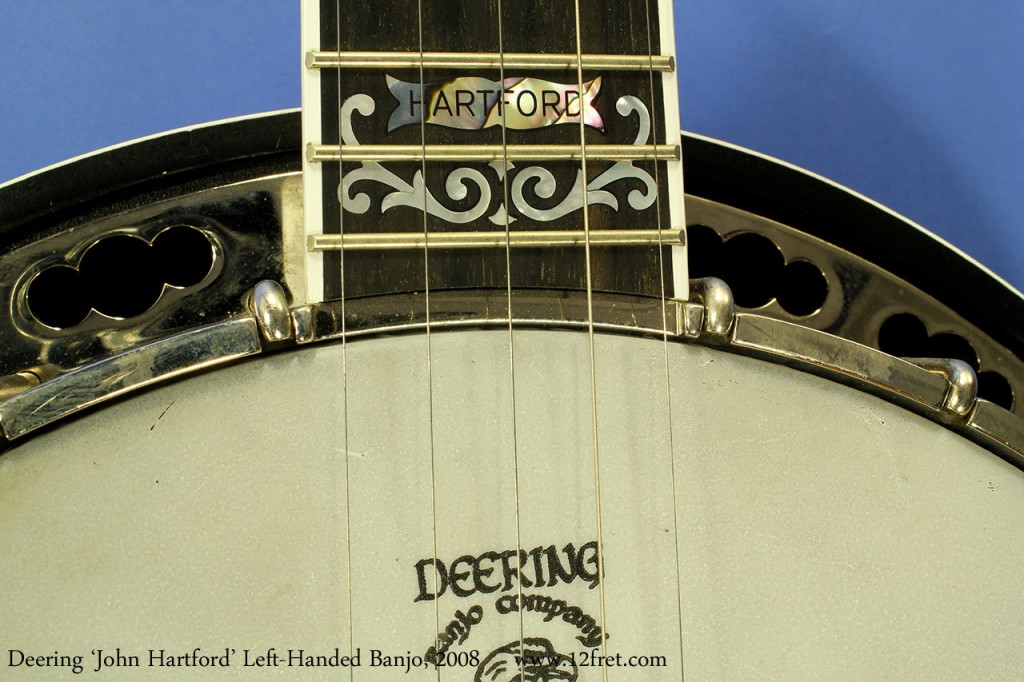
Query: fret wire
[491,239]
[485,60]
[381,153]
[590,339]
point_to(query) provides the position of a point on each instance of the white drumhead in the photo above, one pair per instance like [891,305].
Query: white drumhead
[790,527]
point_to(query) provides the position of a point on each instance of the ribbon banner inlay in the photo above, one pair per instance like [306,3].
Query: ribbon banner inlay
[473,103]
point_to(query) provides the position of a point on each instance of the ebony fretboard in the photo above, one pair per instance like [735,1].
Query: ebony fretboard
[464,117]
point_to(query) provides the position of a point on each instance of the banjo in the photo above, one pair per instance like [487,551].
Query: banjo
[445,377]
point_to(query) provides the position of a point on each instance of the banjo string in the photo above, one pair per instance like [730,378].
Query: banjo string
[590,337]
[430,362]
[665,340]
[511,334]
[344,356]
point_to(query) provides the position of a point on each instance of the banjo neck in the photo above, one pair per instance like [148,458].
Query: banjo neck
[520,146]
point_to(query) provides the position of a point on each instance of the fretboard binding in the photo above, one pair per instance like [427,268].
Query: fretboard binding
[367,153]
[488,60]
[397,241]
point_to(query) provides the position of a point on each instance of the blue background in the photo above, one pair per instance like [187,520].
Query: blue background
[916,104]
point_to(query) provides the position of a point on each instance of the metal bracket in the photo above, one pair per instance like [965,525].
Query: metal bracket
[719,309]
[269,305]
[962,394]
